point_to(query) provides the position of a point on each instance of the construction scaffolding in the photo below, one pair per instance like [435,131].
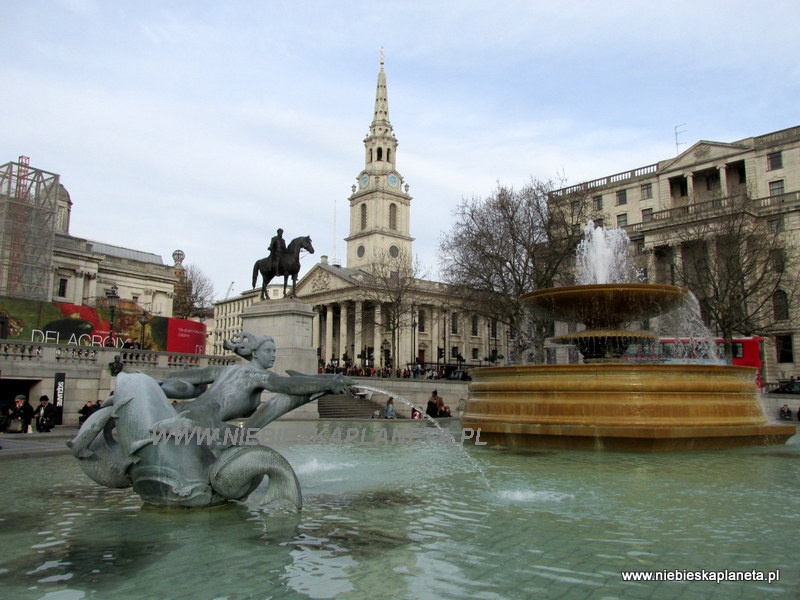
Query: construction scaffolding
[27,229]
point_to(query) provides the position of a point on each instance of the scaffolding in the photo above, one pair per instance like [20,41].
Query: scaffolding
[27,229]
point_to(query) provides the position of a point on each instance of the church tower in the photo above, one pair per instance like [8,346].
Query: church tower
[380,206]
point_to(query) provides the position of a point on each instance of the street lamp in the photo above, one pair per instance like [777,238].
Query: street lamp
[113,297]
[414,352]
[142,321]
[385,354]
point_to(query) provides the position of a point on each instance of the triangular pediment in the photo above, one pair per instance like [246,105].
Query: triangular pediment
[703,151]
[324,279]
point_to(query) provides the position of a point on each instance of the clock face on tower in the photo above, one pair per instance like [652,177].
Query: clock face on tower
[364,181]
[393,180]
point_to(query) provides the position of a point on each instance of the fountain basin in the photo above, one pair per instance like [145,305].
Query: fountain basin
[605,306]
[618,406]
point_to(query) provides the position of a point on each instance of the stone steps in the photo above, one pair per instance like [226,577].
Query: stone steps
[346,407]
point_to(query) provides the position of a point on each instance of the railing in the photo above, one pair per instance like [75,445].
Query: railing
[716,206]
[588,185]
[61,354]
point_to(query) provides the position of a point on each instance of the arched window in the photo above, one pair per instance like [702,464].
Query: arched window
[780,306]
[393,217]
[363,217]
[388,155]
[370,155]
[380,153]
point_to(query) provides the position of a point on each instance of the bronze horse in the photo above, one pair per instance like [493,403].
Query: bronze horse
[288,264]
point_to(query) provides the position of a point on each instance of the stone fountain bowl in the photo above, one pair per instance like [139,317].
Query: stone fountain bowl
[605,306]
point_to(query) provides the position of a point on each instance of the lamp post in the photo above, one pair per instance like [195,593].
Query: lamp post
[113,297]
[385,354]
[142,321]
[413,336]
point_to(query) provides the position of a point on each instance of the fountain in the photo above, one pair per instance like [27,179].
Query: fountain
[607,402]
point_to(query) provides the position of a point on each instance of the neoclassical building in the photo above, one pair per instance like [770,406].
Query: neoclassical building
[656,203]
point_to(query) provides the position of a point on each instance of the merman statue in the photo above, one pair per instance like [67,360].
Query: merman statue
[117,443]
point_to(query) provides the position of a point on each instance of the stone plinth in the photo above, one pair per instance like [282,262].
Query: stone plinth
[289,321]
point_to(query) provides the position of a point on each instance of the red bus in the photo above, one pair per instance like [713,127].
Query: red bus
[747,352]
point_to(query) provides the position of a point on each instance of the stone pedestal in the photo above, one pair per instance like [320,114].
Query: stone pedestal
[289,322]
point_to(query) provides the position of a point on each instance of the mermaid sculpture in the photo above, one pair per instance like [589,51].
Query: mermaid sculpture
[117,445]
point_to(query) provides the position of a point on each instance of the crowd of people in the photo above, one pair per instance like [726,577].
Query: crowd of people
[416,372]
[22,417]
[87,409]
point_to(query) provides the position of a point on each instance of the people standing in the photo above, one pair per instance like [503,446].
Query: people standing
[44,415]
[25,413]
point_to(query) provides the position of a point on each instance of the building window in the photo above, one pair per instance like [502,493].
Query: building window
[493,333]
[647,191]
[774,161]
[576,208]
[597,203]
[777,259]
[474,325]
[454,323]
[776,188]
[380,154]
[62,287]
[363,217]
[622,197]
[783,349]
[421,321]
[775,225]
[647,215]
[393,217]
[622,220]
[780,306]
[475,355]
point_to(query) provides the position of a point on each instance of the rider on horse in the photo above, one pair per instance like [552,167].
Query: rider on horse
[277,248]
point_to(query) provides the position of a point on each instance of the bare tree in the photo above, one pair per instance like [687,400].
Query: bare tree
[511,243]
[194,293]
[391,282]
[740,264]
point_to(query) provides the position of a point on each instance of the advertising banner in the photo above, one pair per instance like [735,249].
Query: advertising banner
[63,323]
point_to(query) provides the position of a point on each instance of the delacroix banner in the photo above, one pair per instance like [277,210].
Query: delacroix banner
[61,323]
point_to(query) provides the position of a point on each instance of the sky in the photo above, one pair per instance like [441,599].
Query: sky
[204,126]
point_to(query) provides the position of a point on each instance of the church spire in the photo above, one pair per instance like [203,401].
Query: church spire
[380,120]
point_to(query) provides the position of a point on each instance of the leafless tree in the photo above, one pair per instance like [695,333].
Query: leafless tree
[194,293]
[391,282]
[511,243]
[741,266]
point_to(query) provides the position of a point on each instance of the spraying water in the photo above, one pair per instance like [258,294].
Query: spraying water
[441,429]
[602,257]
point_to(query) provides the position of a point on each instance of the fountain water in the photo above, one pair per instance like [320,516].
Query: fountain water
[608,402]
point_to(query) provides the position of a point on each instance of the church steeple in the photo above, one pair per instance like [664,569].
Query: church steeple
[381,144]
[380,120]
[379,207]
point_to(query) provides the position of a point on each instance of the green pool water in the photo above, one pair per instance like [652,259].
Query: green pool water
[421,520]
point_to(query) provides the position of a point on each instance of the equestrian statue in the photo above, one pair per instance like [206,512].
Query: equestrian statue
[283,260]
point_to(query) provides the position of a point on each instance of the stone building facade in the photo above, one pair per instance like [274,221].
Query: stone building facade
[654,203]
[40,260]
